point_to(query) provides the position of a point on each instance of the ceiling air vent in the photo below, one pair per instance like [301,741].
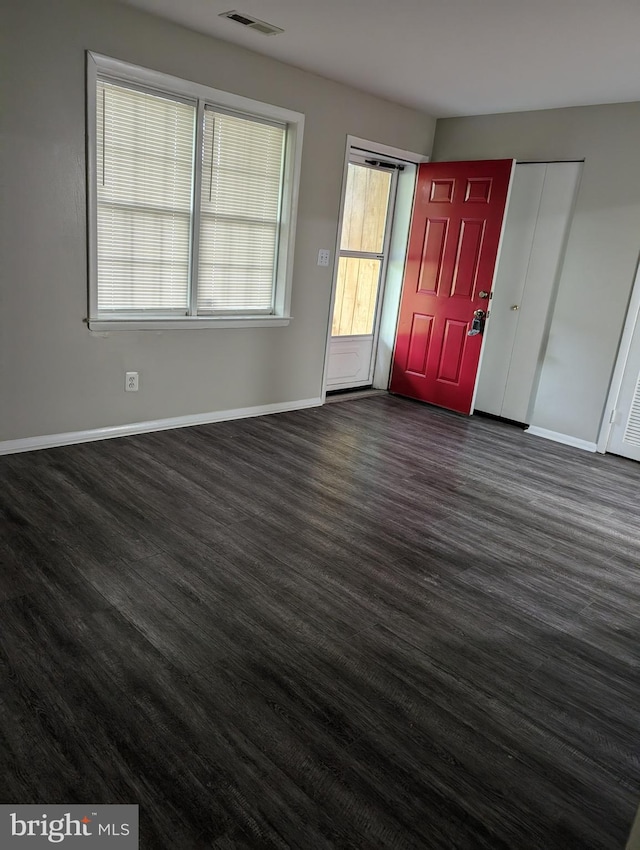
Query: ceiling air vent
[251,23]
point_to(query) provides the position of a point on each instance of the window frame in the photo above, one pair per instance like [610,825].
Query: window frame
[133,75]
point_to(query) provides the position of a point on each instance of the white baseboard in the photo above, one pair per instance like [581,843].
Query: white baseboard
[48,441]
[567,439]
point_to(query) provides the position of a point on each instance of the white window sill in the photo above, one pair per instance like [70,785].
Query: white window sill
[194,322]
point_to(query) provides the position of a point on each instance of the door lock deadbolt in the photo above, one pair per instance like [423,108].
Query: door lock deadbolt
[477,325]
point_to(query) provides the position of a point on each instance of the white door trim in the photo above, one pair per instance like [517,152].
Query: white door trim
[633,316]
[383,150]
[355,145]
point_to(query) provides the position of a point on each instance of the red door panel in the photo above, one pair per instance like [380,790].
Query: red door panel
[419,344]
[451,353]
[453,246]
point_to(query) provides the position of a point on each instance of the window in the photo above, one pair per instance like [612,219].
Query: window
[192,200]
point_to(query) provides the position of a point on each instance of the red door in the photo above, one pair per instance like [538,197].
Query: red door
[453,246]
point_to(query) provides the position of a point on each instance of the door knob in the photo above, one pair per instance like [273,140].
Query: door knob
[514,306]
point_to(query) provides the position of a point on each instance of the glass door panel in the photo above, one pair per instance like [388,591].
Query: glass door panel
[365,209]
[356,296]
[362,241]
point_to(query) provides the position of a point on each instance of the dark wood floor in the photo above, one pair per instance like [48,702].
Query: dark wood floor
[370,625]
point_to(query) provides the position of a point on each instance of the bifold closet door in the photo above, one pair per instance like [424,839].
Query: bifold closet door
[540,209]
[625,434]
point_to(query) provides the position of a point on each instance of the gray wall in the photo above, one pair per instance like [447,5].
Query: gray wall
[602,250]
[56,375]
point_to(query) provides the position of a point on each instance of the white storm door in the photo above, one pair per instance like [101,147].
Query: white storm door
[364,244]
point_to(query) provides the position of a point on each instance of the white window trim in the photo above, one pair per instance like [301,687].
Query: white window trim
[123,71]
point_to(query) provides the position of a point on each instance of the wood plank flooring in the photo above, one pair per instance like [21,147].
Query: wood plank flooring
[369,625]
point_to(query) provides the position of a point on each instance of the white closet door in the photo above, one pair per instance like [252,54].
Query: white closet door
[535,234]
[511,276]
[624,438]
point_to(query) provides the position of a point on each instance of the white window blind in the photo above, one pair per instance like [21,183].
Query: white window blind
[239,213]
[144,171]
[192,203]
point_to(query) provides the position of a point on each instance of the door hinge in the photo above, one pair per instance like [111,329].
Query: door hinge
[613,419]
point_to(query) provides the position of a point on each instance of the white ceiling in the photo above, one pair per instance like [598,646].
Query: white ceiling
[447,57]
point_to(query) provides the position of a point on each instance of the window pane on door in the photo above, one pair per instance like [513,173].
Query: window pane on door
[356,295]
[365,209]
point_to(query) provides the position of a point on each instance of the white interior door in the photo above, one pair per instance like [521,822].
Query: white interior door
[364,245]
[536,228]
[624,437]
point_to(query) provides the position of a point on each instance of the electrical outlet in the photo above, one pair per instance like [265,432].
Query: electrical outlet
[131,382]
[323,256]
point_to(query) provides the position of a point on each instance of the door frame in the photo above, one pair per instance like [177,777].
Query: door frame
[357,145]
[632,319]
